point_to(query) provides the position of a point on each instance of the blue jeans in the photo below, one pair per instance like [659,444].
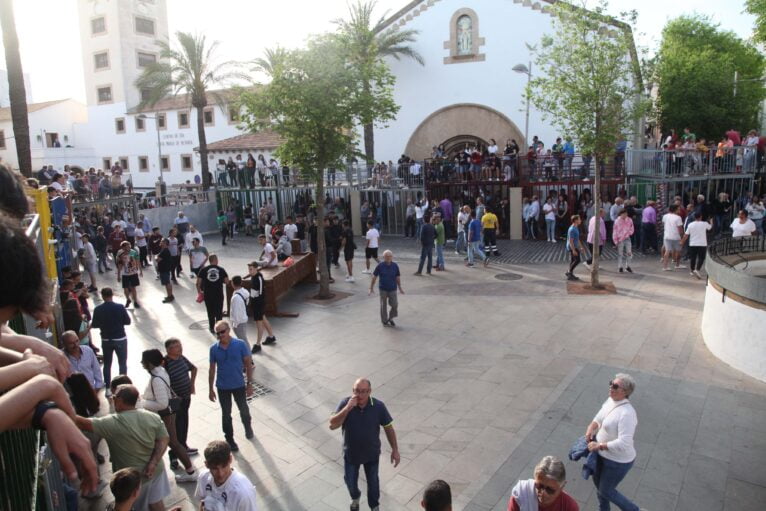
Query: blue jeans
[475,249]
[109,347]
[351,476]
[550,225]
[426,252]
[607,477]
[440,256]
[461,241]
[419,226]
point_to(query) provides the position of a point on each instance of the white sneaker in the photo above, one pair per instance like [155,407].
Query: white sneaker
[367,272]
[350,279]
[678,266]
[187,477]
[697,274]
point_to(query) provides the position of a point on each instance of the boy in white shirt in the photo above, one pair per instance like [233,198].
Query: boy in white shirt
[673,227]
[371,250]
[269,256]
[290,229]
[220,488]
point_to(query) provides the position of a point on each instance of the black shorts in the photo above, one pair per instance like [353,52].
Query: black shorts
[348,255]
[164,278]
[258,306]
[130,281]
[371,253]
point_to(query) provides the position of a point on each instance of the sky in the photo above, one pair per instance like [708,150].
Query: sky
[50,42]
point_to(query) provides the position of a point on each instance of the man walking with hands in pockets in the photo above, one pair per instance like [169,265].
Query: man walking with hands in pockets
[361,417]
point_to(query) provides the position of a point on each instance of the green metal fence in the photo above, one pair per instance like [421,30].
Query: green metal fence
[18,470]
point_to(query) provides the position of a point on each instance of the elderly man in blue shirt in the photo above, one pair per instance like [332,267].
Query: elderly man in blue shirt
[361,418]
[82,359]
[390,281]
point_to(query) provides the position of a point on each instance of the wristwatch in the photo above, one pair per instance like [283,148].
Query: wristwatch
[40,410]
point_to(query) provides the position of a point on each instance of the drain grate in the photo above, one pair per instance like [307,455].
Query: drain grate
[259,390]
[199,325]
[508,276]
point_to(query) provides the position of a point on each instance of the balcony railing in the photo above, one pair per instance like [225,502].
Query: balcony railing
[691,162]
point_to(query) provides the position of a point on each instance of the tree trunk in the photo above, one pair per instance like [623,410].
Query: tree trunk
[369,144]
[596,224]
[16,90]
[203,146]
[324,274]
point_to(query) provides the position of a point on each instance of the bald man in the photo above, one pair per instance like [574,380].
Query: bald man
[361,418]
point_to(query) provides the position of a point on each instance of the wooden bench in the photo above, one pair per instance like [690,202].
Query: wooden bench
[279,280]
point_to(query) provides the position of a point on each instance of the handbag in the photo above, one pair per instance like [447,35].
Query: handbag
[174,403]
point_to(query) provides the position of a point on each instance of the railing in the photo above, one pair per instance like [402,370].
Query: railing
[691,162]
[740,246]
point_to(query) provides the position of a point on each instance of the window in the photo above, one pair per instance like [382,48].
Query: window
[161,121]
[107,163]
[233,115]
[209,115]
[98,26]
[140,124]
[146,93]
[101,60]
[124,163]
[143,164]
[144,26]
[186,162]
[2,139]
[52,139]
[183,119]
[146,59]
[104,94]
[165,163]
[119,125]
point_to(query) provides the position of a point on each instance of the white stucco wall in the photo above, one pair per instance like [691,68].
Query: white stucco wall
[734,332]
[421,90]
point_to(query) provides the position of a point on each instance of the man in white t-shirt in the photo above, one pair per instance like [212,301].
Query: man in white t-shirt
[549,210]
[674,228]
[743,226]
[269,256]
[219,487]
[696,233]
[371,250]
[290,229]
[198,256]
[141,243]
[420,211]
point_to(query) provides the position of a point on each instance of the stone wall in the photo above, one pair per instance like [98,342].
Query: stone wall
[202,215]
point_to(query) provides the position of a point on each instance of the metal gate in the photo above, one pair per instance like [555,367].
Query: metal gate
[388,207]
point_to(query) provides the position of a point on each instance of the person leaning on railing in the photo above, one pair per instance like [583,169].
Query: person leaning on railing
[32,370]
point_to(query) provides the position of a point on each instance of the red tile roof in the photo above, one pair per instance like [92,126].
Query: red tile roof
[247,142]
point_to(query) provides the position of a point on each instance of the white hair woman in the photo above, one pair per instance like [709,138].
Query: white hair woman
[545,492]
[611,435]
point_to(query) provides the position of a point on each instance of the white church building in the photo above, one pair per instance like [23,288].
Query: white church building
[466,92]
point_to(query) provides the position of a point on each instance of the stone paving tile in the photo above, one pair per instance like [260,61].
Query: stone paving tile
[478,397]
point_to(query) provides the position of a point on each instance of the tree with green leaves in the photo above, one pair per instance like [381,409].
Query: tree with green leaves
[589,85]
[708,79]
[366,43]
[272,58]
[758,9]
[189,68]
[312,101]
[16,90]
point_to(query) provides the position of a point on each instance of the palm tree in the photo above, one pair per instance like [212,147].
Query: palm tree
[189,68]
[16,90]
[272,58]
[371,42]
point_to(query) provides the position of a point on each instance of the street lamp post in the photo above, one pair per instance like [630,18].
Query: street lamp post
[522,68]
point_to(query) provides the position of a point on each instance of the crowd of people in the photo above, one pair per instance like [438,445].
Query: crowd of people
[83,184]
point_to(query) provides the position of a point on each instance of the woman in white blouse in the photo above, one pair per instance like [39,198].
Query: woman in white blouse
[156,398]
[611,435]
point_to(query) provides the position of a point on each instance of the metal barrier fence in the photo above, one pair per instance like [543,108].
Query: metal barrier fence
[729,246]
[691,162]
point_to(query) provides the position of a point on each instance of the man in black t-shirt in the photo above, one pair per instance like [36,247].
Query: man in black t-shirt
[210,282]
[164,268]
[347,241]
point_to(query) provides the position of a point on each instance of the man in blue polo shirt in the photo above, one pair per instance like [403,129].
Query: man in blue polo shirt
[390,281]
[232,358]
[361,417]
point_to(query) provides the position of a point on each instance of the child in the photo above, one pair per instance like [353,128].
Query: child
[371,249]
[220,487]
[125,486]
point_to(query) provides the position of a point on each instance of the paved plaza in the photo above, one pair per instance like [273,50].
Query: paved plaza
[483,376]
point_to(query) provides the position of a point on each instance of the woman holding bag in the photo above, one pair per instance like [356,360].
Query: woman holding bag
[611,435]
[159,398]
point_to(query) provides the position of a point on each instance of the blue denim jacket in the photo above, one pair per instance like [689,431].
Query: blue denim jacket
[580,449]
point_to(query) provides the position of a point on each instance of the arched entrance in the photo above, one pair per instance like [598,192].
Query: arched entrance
[463,122]
[456,144]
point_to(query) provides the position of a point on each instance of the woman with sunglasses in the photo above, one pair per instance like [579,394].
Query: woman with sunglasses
[611,435]
[545,492]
